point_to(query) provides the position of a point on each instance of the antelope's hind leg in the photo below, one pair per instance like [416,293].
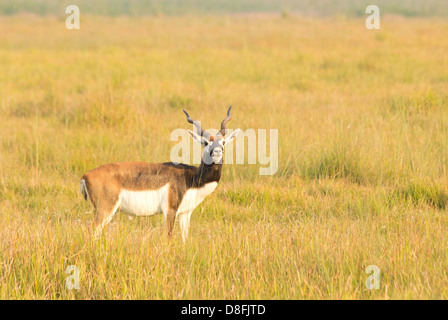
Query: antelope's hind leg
[104,213]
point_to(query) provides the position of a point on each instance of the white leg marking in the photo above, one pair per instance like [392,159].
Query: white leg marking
[184,224]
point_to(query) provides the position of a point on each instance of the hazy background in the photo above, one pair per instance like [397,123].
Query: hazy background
[408,8]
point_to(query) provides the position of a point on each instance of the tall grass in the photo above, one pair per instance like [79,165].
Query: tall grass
[363,125]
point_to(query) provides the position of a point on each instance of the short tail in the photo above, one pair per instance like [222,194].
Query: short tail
[83,189]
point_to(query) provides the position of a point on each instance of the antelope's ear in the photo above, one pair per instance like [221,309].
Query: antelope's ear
[199,139]
[232,136]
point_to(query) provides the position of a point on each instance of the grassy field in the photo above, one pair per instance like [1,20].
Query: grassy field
[363,155]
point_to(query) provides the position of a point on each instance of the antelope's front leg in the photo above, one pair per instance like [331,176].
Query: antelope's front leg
[169,221]
[184,224]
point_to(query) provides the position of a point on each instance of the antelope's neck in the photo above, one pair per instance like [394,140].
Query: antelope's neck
[207,173]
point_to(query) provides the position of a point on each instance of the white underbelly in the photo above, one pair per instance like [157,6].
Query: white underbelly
[144,203]
[150,202]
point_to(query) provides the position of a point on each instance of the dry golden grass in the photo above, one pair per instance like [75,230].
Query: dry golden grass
[363,126]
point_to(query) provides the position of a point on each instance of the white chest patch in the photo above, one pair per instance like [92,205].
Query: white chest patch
[193,197]
[145,203]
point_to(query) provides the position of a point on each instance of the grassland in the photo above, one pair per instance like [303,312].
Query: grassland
[363,155]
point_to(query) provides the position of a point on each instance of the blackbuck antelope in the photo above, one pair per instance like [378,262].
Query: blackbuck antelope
[144,189]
